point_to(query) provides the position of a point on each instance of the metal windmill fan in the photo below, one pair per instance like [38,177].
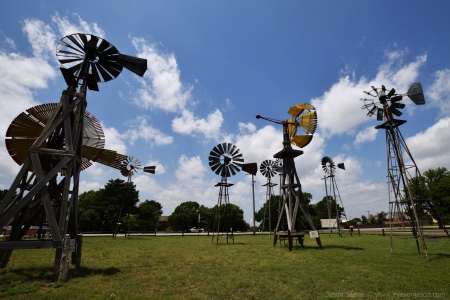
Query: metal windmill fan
[268,168]
[382,104]
[104,61]
[304,116]
[27,127]
[225,159]
[132,164]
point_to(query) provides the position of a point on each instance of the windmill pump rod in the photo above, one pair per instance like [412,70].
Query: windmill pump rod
[277,121]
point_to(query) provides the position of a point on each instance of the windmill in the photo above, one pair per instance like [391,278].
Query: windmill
[129,168]
[58,149]
[400,174]
[226,160]
[329,168]
[267,169]
[299,131]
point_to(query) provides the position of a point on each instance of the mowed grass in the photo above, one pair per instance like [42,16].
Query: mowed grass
[191,267]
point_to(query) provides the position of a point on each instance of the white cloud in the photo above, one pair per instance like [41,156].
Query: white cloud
[190,170]
[86,186]
[159,168]
[244,128]
[430,147]
[41,37]
[10,42]
[439,92]
[147,184]
[114,140]
[190,124]
[161,85]
[339,108]
[147,132]
[229,105]
[66,27]
[368,134]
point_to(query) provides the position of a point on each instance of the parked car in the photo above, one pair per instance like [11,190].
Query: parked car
[195,229]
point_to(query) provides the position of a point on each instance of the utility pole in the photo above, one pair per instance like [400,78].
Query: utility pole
[368,216]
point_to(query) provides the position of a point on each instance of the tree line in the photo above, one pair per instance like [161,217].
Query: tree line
[117,207]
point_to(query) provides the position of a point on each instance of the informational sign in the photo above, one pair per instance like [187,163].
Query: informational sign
[314,234]
[72,245]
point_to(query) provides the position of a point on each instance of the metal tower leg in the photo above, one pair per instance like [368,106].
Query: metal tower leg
[57,150]
[292,196]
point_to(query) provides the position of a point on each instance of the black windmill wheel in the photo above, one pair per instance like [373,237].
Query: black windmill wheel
[268,168]
[328,165]
[226,160]
[94,58]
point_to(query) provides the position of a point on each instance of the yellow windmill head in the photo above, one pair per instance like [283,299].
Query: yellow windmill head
[304,116]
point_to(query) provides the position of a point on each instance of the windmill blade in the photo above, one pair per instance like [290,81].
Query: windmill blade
[233,169]
[309,121]
[221,150]
[96,154]
[296,110]
[251,168]
[224,146]
[238,158]
[234,150]
[301,140]
[217,169]
[134,64]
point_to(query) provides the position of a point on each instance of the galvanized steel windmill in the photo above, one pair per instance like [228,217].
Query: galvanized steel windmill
[57,148]
[268,170]
[226,160]
[386,104]
[329,168]
[129,168]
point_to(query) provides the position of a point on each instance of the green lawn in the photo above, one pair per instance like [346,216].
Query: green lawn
[191,267]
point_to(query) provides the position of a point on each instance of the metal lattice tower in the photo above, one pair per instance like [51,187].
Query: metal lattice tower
[226,160]
[331,185]
[267,168]
[400,174]
[305,117]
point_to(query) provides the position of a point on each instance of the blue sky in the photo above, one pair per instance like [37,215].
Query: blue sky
[213,65]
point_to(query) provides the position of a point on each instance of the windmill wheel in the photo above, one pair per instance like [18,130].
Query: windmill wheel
[130,166]
[267,168]
[304,116]
[225,159]
[74,49]
[328,165]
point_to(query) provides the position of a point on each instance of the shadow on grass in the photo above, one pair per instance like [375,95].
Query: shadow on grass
[325,247]
[46,274]
[229,244]
[85,271]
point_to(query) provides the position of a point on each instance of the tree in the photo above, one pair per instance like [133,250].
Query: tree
[381,217]
[235,216]
[274,210]
[149,212]
[116,202]
[302,223]
[321,208]
[436,200]
[185,216]
[364,219]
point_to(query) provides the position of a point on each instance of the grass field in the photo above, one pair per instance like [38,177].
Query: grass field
[191,267]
